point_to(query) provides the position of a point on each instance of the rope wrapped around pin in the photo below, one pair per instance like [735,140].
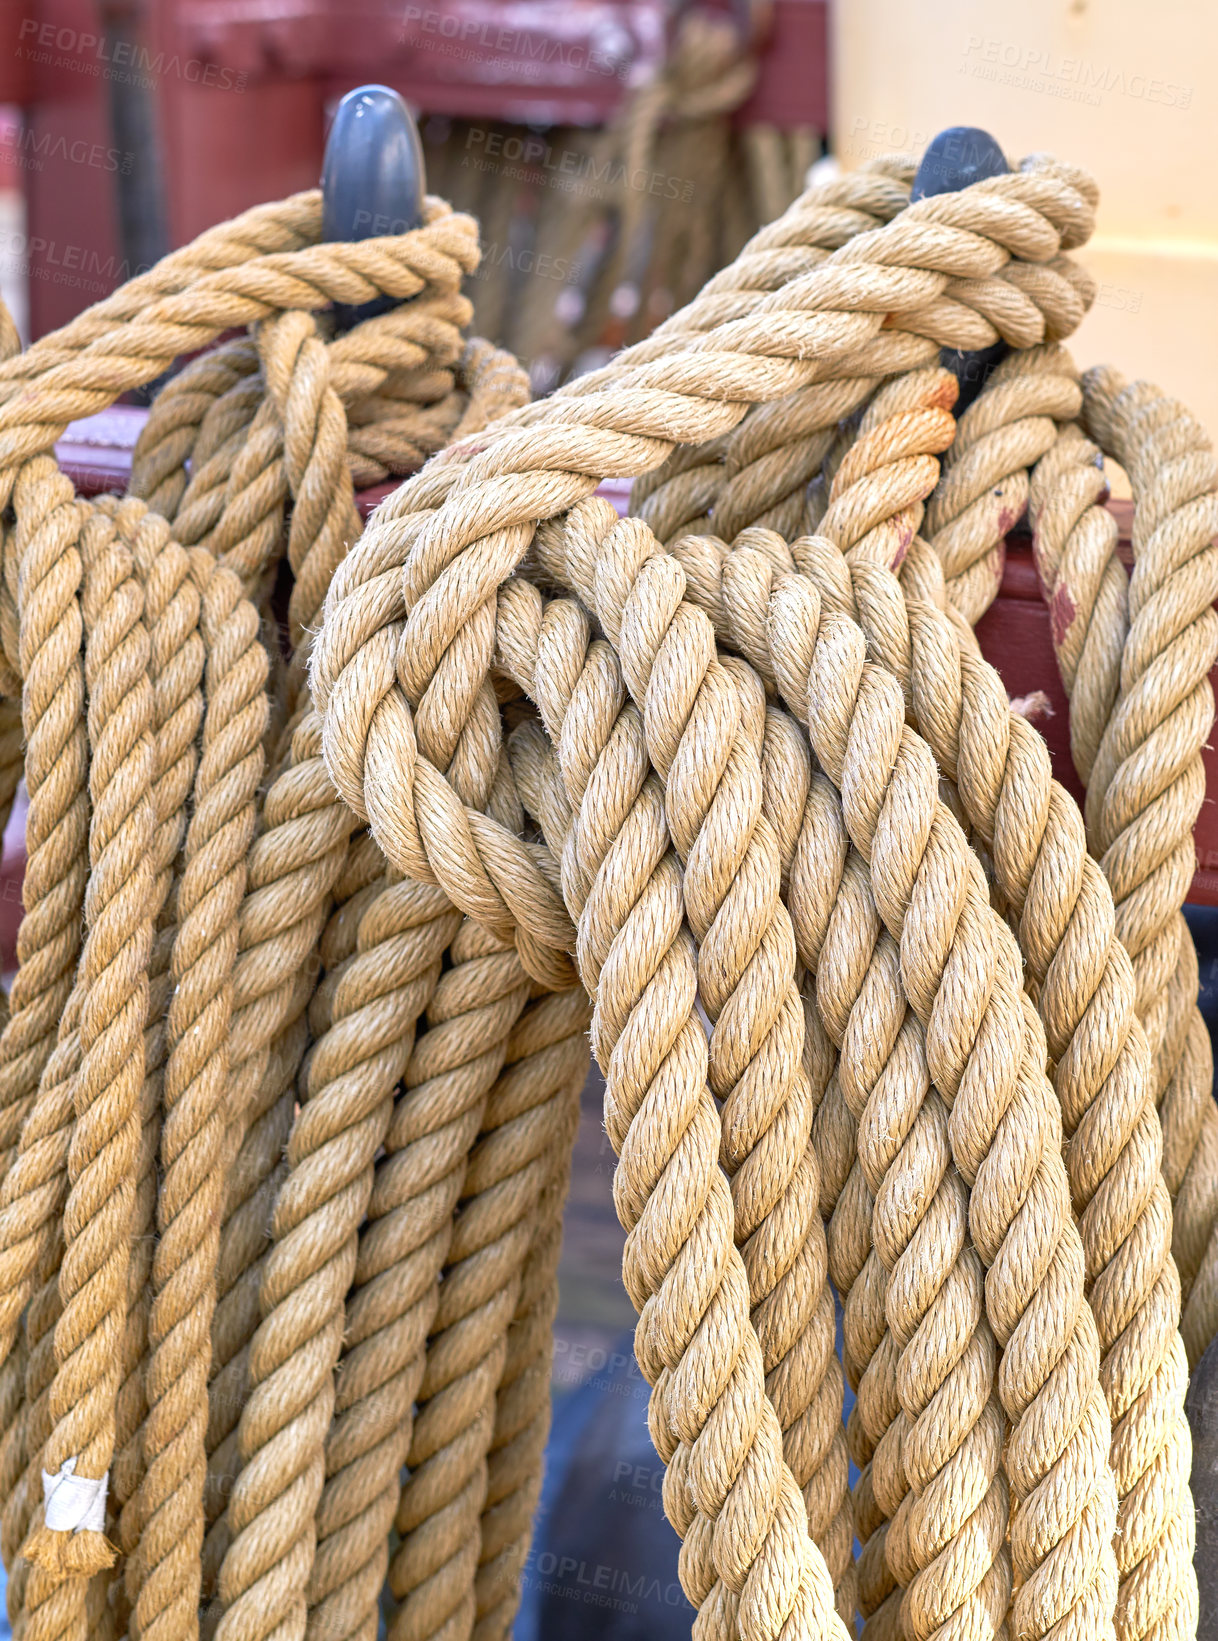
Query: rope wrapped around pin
[416,378]
[423,577]
[752,804]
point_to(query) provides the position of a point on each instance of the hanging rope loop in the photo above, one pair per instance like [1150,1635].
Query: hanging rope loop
[345,841]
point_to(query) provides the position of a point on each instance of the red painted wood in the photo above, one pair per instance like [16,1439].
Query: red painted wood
[793,79]
[1015,637]
[228,141]
[531,62]
[15,64]
[70,252]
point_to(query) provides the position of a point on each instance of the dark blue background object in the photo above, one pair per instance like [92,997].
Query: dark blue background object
[603,1564]
[372,180]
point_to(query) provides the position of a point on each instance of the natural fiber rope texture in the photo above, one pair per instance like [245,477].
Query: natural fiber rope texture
[509,455]
[1145,648]
[144,703]
[1101,1057]
[734,789]
[1137,1295]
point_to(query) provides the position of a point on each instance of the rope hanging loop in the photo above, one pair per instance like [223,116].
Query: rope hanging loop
[346,841]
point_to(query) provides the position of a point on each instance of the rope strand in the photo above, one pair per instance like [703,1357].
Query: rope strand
[750,802]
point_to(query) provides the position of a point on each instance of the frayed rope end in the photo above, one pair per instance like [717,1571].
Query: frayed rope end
[70,1541]
[69,1555]
[1033,706]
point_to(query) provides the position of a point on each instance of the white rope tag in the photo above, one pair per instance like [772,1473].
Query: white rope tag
[73,1503]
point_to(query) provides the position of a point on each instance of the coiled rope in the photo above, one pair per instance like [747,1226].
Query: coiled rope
[338,842]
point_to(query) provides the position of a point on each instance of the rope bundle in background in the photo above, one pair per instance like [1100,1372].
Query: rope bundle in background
[594,235]
[362,830]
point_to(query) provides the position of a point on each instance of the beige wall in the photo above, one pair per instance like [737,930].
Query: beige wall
[1123,87]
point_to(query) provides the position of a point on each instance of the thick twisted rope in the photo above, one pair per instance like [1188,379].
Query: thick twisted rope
[1077,1453]
[287,225]
[985,484]
[323,1198]
[431,1574]
[1101,1584]
[762,1568]
[883,1083]
[177,658]
[1145,1375]
[1101,1060]
[1141,821]
[471,410]
[340,777]
[195,1094]
[399,361]
[523,1154]
[31,1601]
[254,1583]
[806,324]
[43,560]
[699,741]
[67,1541]
[1102,1075]
[270,994]
[188,319]
[384,988]
[716,794]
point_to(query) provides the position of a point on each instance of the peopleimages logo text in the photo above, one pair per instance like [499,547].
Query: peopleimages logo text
[483,35]
[568,167]
[64,264]
[1091,79]
[118,59]
[32,149]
